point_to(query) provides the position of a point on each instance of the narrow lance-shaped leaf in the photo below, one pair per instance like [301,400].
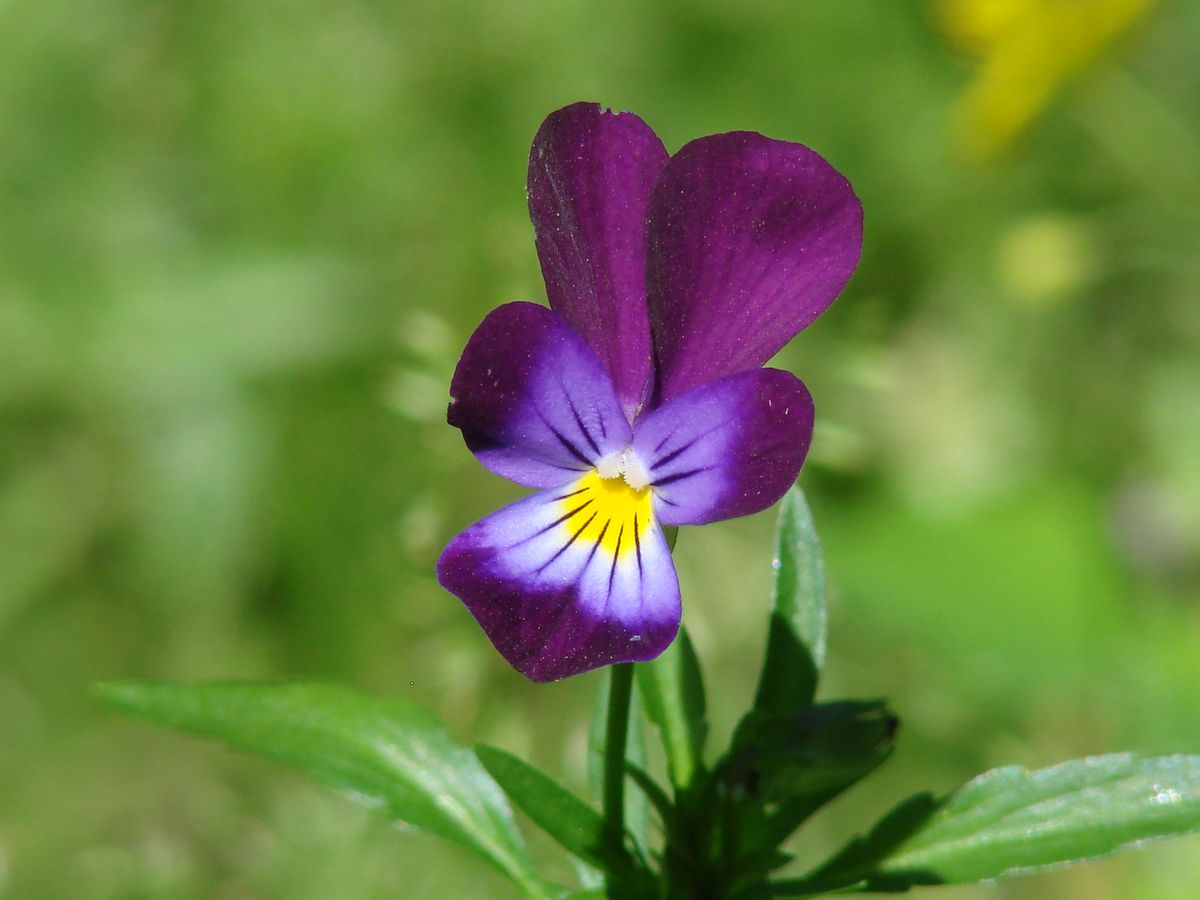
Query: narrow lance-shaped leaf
[389,752]
[796,635]
[576,826]
[672,692]
[855,863]
[1014,820]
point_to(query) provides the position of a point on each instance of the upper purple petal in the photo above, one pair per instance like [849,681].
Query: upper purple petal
[591,174]
[555,603]
[532,400]
[727,448]
[750,240]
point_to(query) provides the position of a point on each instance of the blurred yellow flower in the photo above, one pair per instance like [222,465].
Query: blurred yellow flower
[1028,50]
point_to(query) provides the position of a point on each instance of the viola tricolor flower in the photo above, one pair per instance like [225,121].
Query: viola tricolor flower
[637,401]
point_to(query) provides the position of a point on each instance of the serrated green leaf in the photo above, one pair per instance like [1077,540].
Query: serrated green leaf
[796,636]
[388,752]
[1014,820]
[575,825]
[672,692]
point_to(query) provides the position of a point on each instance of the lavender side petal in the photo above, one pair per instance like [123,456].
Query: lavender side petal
[532,400]
[591,174]
[750,240]
[557,593]
[727,448]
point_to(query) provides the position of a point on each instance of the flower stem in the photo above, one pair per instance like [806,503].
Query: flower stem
[620,689]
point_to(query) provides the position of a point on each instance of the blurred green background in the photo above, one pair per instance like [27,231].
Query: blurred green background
[242,243]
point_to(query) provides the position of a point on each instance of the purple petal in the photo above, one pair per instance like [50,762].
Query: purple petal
[727,448]
[750,240]
[591,174]
[532,400]
[555,588]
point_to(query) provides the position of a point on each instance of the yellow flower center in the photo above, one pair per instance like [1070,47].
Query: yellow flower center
[607,513]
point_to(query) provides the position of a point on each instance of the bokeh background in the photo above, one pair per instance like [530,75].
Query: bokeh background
[242,243]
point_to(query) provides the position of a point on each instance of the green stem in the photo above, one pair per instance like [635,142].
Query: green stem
[620,689]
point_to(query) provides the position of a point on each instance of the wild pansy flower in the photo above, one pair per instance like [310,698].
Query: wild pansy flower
[637,401]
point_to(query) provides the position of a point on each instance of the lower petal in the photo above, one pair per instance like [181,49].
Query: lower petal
[562,583]
[727,448]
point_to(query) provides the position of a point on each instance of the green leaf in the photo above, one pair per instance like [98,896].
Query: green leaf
[811,750]
[637,813]
[575,825]
[1013,820]
[656,795]
[786,767]
[796,635]
[392,753]
[855,863]
[672,692]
